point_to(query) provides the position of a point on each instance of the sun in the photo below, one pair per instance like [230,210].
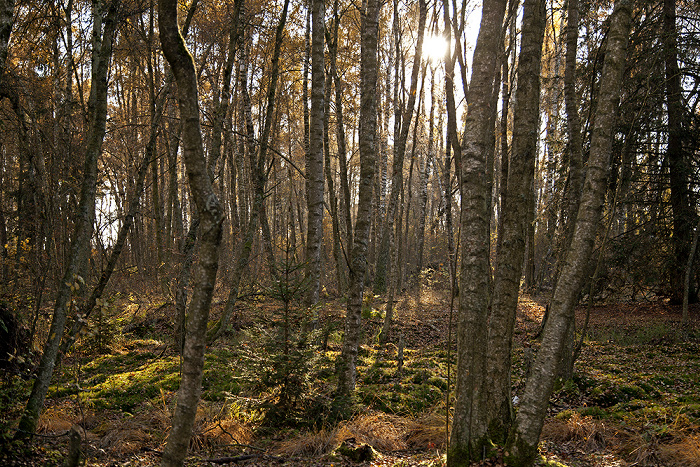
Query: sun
[434,48]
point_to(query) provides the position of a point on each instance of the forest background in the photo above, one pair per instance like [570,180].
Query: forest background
[299,164]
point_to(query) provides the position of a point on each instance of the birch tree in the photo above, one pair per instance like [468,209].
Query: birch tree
[347,367]
[105,18]
[469,428]
[314,159]
[511,252]
[528,424]
[210,214]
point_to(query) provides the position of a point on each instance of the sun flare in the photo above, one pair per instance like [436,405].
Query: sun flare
[434,48]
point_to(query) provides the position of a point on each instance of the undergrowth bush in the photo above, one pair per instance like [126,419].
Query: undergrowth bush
[280,355]
[281,366]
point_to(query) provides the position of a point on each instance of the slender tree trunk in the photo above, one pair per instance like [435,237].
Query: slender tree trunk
[314,159]
[333,201]
[7,11]
[679,167]
[509,270]
[469,430]
[688,274]
[572,192]
[133,206]
[102,41]
[528,425]
[397,183]
[452,142]
[211,216]
[423,178]
[342,152]
[257,165]
[347,368]
[332,40]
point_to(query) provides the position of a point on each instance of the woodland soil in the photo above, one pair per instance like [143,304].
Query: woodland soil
[635,399]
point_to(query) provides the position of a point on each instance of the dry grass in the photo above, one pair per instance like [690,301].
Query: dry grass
[126,438]
[586,432]
[57,419]
[215,427]
[382,431]
[427,432]
[316,444]
[229,431]
[684,452]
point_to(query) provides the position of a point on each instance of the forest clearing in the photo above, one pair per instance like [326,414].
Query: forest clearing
[634,398]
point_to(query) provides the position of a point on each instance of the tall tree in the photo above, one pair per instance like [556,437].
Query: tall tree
[7,11]
[211,217]
[397,175]
[314,159]
[678,164]
[530,418]
[469,428]
[257,160]
[347,368]
[574,185]
[509,268]
[105,22]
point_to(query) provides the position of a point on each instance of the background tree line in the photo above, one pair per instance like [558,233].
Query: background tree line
[560,147]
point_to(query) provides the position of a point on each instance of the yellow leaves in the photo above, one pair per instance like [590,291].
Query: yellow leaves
[77,282]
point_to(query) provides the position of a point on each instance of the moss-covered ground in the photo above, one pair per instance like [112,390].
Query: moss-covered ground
[634,399]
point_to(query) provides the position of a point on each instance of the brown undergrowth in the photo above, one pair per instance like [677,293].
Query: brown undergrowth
[634,400]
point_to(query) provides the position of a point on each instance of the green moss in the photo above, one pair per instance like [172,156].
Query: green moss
[438,382]
[564,415]
[125,391]
[593,411]
[376,375]
[520,454]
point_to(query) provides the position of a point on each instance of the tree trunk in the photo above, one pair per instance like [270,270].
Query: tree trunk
[528,425]
[7,11]
[423,179]
[509,270]
[210,214]
[102,41]
[678,164]
[574,186]
[333,199]
[469,429]
[388,234]
[452,144]
[257,165]
[133,206]
[368,159]
[314,159]
[342,154]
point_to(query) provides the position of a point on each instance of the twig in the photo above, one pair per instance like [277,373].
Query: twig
[242,457]
[226,460]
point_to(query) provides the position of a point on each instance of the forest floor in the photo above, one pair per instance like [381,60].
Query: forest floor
[634,399]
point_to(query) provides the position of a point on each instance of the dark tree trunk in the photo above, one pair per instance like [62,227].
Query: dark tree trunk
[528,425]
[469,429]
[679,167]
[211,217]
